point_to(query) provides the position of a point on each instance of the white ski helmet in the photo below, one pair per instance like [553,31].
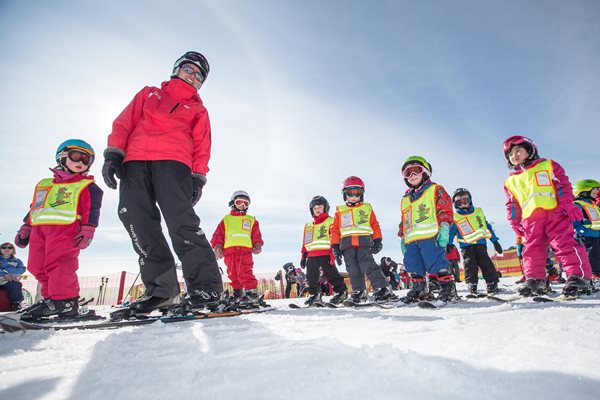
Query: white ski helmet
[192,57]
[237,194]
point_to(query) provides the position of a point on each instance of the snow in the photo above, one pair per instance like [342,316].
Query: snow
[476,349]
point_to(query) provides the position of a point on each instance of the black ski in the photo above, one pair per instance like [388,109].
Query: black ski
[476,295]
[383,304]
[547,299]
[314,305]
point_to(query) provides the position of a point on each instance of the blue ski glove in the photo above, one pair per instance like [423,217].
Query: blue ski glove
[403,246]
[520,250]
[498,247]
[444,235]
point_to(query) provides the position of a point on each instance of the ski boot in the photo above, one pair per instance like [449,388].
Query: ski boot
[576,286]
[197,300]
[339,298]
[358,296]
[251,299]
[492,288]
[147,304]
[472,288]
[59,308]
[521,280]
[314,300]
[434,284]
[417,292]
[533,287]
[16,306]
[384,294]
[447,292]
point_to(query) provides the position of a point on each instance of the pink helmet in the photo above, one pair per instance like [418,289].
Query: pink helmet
[518,140]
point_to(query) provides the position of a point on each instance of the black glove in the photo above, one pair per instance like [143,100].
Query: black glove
[113,161]
[377,246]
[498,247]
[337,253]
[303,260]
[449,248]
[198,182]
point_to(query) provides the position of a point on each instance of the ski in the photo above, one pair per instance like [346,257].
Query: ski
[476,296]
[384,304]
[547,299]
[431,304]
[315,305]
[505,299]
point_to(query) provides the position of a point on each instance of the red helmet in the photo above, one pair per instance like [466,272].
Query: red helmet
[353,181]
[517,140]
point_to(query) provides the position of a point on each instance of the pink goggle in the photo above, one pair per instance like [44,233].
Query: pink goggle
[516,140]
[411,170]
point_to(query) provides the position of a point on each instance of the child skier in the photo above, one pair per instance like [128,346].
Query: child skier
[588,229]
[317,254]
[471,229]
[61,222]
[236,238]
[426,217]
[540,208]
[355,234]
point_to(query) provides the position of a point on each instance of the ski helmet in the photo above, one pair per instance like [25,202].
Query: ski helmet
[192,57]
[236,195]
[353,182]
[460,191]
[525,142]
[62,151]
[319,201]
[288,266]
[582,187]
[420,161]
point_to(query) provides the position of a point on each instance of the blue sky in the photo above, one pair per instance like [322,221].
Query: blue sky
[302,94]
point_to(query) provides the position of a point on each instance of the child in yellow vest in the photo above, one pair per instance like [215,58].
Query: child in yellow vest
[317,255]
[355,234]
[588,228]
[236,238]
[540,208]
[61,222]
[426,217]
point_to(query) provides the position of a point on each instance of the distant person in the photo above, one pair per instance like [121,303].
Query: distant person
[236,238]
[540,209]
[159,148]
[61,222]
[11,268]
[317,255]
[390,270]
[290,279]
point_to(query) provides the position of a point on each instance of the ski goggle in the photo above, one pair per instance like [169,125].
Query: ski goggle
[241,202]
[354,191]
[460,200]
[411,170]
[189,70]
[78,156]
[515,140]
[7,248]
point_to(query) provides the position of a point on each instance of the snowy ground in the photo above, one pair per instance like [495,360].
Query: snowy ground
[477,349]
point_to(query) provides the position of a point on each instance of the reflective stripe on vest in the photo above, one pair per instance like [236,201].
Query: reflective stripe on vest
[355,220]
[316,236]
[592,213]
[419,217]
[56,203]
[533,188]
[472,227]
[238,231]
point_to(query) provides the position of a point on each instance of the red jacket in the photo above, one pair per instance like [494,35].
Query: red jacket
[169,123]
[218,237]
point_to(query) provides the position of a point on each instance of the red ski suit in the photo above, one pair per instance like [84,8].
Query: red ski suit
[238,260]
[549,228]
[53,254]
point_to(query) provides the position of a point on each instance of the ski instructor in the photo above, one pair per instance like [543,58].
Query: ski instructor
[159,149]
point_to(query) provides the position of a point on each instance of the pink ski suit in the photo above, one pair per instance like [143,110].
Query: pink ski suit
[547,227]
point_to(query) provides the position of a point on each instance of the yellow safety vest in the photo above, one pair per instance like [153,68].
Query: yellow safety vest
[533,188]
[355,220]
[238,230]
[419,217]
[56,203]
[592,213]
[472,227]
[316,236]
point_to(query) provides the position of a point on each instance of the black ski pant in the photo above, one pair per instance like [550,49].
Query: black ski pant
[313,267]
[592,247]
[146,186]
[476,256]
[359,262]
[455,270]
[288,289]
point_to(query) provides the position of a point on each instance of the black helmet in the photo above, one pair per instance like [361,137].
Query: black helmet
[192,57]
[458,192]
[288,266]
[319,201]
